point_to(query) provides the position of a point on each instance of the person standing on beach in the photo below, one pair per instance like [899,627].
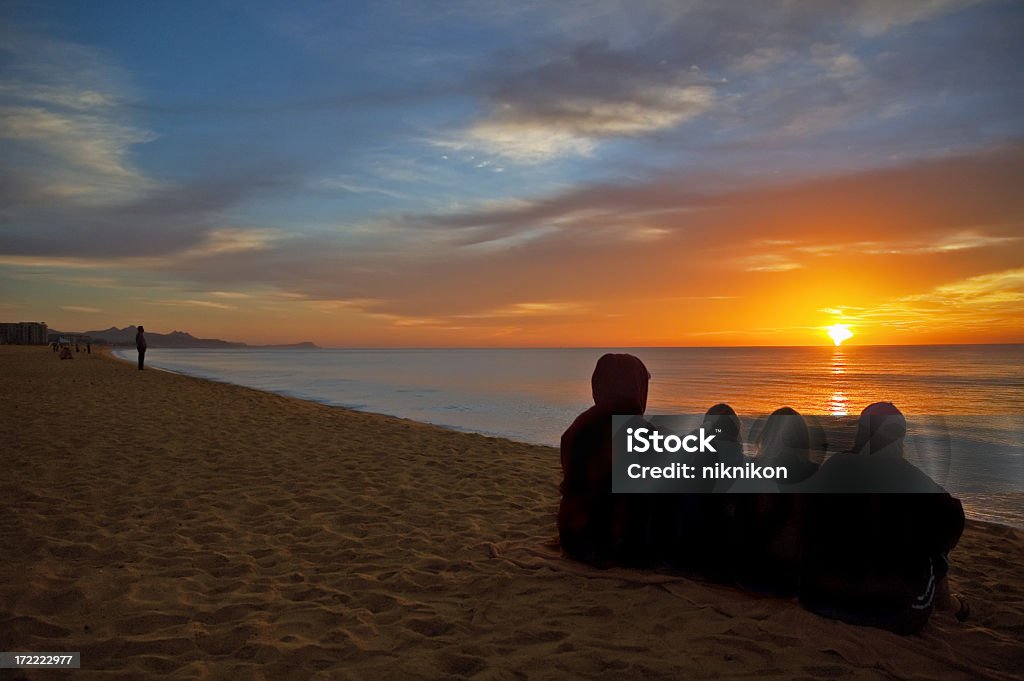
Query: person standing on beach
[140,345]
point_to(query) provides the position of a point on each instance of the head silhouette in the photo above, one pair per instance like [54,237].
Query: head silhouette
[784,435]
[141,328]
[881,426]
[722,420]
[620,382]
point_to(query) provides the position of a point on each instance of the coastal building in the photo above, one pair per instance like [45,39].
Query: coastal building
[23,333]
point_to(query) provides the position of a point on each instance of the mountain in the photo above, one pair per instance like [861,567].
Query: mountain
[174,339]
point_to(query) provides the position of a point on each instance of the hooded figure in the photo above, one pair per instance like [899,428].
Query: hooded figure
[786,441]
[877,555]
[690,529]
[767,528]
[594,525]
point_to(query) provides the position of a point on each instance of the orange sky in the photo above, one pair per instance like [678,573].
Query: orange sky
[926,253]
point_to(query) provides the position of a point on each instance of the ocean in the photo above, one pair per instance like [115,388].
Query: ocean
[965,401]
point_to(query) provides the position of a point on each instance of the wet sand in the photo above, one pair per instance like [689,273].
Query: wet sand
[170,527]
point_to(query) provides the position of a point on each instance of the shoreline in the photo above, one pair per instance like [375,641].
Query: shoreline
[837,434]
[169,526]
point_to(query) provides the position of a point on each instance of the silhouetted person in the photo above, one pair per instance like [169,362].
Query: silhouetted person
[786,441]
[594,525]
[88,347]
[768,526]
[878,540]
[692,528]
[140,345]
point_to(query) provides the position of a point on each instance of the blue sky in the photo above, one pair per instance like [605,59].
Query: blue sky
[489,173]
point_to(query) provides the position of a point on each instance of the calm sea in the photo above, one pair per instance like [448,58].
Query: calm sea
[975,393]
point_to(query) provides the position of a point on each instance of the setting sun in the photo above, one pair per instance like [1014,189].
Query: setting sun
[839,333]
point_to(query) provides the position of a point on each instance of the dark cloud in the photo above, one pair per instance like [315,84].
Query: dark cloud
[162,222]
[788,76]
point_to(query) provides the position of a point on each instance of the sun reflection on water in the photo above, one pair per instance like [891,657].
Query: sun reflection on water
[839,403]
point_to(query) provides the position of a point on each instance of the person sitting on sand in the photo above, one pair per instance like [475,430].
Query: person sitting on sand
[879,557]
[594,525]
[786,441]
[766,533]
[690,529]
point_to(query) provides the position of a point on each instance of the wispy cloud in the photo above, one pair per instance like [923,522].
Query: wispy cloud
[531,309]
[940,243]
[991,302]
[196,303]
[63,121]
[232,240]
[767,262]
[351,185]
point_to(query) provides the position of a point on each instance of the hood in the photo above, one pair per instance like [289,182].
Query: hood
[881,426]
[620,383]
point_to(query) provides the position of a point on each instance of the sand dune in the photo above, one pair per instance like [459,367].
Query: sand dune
[169,527]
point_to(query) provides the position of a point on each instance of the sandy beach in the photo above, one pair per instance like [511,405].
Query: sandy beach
[169,527]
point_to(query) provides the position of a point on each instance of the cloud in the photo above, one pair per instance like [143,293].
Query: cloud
[85,142]
[993,289]
[196,303]
[950,243]
[768,262]
[717,75]
[874,17]
[352,185]
[230,294]
[936,244]
[65,129]
[79,308]
[232,240]
[570,102]
[991,302]
[531,309]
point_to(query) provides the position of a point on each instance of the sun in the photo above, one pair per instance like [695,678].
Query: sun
[839,333]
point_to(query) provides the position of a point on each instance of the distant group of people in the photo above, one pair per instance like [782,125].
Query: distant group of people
[65,348]
[870,558]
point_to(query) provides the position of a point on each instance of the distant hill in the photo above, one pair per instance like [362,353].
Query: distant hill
[174,339]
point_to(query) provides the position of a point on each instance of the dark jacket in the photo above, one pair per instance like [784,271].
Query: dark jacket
[873,557]
[594,525]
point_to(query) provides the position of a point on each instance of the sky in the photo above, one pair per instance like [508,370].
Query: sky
[605,174]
